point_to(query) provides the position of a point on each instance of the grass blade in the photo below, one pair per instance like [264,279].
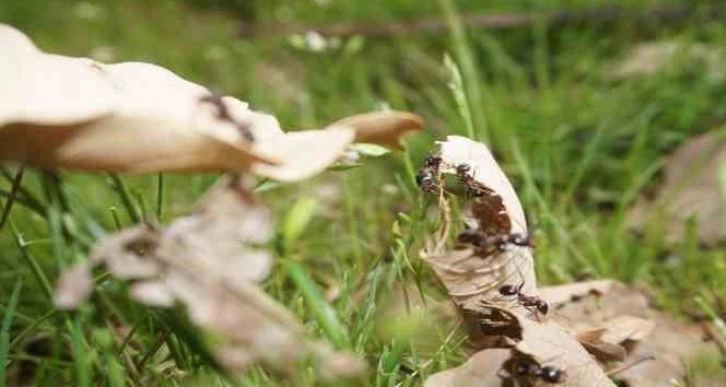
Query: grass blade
[11,197]
[5,331]
[323,311]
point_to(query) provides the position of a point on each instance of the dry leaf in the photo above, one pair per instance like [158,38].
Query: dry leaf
[382,128]
[652,57]
[48,89]
[209,262]
[76,285]
[63,112]
[627,318]
[470,277]
[562,294]
[481,370]
[690,190]
[550,346]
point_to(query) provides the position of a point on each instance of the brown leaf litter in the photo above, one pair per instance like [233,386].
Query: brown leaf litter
[691,190]
[626,319]
[76,113]
[209,262]
[490,276]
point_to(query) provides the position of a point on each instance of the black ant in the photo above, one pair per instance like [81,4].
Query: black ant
[427,177]
[548,374]
[526,301]
[223,114]
[473,187]
[500,241]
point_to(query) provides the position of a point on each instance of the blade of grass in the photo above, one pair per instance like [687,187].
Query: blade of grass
[456,85]
[5,330]
[81,356]
[471,78]
[122,190]
[12,196]
[32,263]
[321,309]
[160,193]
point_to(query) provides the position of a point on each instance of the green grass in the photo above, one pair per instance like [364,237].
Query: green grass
[579,147]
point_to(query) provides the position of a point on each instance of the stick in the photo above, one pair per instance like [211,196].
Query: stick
[491,21]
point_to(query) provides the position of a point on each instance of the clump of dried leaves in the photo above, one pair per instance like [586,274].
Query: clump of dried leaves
[75,113]
[569,336]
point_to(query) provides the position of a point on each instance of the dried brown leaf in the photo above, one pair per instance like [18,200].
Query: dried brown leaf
[673,344]
[482,369]
[48,89]
[563,294]
[652,57]
[383,127]
[549,345]
[209,262]
[303,154]
[74,287]
[469,277]
[63,112]
[690,190]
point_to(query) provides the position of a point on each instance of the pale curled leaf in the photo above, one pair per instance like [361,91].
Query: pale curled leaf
[74,287]
[383,127]
[672,344]
[48,89]
[690,191]
[458,150]
[302,154]
[481,370]
[549,345]
[470,278]
[141,118]
[209,262]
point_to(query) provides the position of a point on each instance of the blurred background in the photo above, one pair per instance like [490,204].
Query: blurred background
[581,101]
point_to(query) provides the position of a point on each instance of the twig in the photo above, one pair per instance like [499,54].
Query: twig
[491,21]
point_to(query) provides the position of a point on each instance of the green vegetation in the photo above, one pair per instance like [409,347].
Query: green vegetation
[580,148]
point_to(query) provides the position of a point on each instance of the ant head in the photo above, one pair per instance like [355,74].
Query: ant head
[431,160]
[426,180]
[463,169]
[509,290]
[551,374]
[468,236]
[542,306]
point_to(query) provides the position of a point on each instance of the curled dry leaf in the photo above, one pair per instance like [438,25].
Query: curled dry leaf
[75,113]
[548,345]
[473,276]
[491,276]
[690,190]
[626,318]
[209,262]
[48,89]
[383,127]
[482,369]
[652,57]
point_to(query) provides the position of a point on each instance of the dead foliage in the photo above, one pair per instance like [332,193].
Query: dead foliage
[490,276]
[691,191]
[76,113]
[623,317]
[209,262]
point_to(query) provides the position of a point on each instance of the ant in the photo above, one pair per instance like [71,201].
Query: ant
[427,175]
[473,187]
[526,301]
[548,374]
[500,241]
[223,114]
